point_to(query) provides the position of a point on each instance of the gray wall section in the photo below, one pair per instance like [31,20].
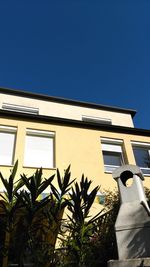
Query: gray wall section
[130,263]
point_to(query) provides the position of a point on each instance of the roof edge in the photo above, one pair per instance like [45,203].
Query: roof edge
[65,101]
[75,123]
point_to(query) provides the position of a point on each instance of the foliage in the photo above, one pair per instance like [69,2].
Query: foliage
[30,218]
[58,196]
[80,224]
[9,205]
[30,224]
[103,245]
[91,241]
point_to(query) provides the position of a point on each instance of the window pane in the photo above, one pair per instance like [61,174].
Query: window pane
[38,151]
[146,171]
[7,141]
[112,158]
[142,157]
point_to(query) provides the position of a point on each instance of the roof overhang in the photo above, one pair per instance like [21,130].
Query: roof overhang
[65,101]
[74,123]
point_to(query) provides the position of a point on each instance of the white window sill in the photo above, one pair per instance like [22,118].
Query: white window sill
[38,167]
[110,168]
[6,165]
[111,171]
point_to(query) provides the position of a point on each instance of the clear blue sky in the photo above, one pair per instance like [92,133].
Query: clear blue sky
[89,50]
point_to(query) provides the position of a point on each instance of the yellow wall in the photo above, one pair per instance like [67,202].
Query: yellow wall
[76,146]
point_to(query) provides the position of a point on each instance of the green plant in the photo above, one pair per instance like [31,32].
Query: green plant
[10,203]
[30,226]
[104,246]
[30,219]
[39,220]
[54,212]
[59,201]
[80,224]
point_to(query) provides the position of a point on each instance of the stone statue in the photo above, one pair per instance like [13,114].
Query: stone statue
[133,221]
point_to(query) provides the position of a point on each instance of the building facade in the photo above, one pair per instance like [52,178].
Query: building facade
[50,132]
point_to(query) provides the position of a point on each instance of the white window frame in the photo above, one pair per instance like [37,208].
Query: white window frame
[9,130]
[28,162]
[97,120]
[143,145]
[112,145]
[20,108]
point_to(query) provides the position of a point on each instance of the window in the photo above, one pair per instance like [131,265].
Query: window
[142,157]
[39,149]
[7,145]
[112,154]
[101,198]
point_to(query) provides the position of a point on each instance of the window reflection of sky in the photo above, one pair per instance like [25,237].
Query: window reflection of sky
[112,158]
[142,157]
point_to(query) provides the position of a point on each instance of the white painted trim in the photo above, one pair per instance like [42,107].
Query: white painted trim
[140,144]
[144,146]
[111,141]
[40,133]
[20,108]
[7,129]
[111,147]
[110,168]
[100,194]
[96,119]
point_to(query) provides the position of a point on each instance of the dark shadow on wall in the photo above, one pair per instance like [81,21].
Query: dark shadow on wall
[139,247]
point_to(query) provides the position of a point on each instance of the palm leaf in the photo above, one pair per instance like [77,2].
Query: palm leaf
[18,185]
[55,192]
[96,217]
[5,182]
[10,188]
[14,170]
[38,177]
[59,180]
[26,181]
[45,184]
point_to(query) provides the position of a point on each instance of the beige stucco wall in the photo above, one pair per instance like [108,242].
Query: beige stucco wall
[76,146]
[67,111]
